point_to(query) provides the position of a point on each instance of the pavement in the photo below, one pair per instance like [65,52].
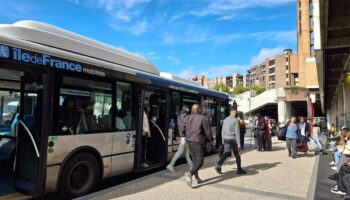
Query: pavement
[271,175]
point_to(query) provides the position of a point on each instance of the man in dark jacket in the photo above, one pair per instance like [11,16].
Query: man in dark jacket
[259,129]
[196,128]
[183,148]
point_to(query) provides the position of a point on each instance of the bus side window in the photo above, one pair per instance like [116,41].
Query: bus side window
[84,110]
[125,118]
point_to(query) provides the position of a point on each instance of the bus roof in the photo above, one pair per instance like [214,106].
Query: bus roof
[48,35]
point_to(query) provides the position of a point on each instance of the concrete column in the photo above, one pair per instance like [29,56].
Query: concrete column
[284,111]
[329,118]
[346,94]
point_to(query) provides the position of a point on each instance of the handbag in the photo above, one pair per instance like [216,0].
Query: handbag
[281,135]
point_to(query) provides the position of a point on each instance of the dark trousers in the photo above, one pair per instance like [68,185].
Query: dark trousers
[343,179]
[242,140]
[261,141]
[230,145]
[197,154]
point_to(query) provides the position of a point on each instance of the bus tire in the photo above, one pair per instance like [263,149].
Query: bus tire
[80,175]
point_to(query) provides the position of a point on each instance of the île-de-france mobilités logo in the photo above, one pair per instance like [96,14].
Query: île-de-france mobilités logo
[4,51]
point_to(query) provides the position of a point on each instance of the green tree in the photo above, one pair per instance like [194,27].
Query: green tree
[258,89]
[221,87]
[239,89]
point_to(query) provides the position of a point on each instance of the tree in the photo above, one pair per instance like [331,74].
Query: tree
[239,89]
[221,87]
[258,89]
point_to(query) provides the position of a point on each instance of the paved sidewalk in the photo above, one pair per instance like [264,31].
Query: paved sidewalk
[271,175]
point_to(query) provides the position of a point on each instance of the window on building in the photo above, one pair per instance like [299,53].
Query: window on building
[311,22]
[311,8]
[271,70]
[272,78]
[84,106]
[287,67]
[125,118]
[271,62]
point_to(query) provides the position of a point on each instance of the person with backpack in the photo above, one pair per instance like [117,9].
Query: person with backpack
[292,137]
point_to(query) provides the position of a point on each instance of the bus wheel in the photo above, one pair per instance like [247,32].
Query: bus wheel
[80,176]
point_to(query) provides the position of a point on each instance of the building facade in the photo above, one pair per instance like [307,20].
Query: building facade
[201,80]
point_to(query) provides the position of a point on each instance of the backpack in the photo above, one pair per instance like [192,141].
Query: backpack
[281,135]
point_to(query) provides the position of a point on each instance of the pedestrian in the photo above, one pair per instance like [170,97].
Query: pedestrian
[304,130]
[231,139]
[242,131]
[234,104]
[267,136]
[197,129]
[183,148]
[292,137]
[259,132]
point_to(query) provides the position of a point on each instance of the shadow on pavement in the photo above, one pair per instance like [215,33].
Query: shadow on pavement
[251,170]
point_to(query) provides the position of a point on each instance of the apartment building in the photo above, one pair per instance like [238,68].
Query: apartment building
[277,72]
[201,80]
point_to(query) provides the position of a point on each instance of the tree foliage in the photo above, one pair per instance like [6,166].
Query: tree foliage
[240,89]
[221,87]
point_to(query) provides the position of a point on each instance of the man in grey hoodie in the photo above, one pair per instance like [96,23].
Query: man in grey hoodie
[231,141]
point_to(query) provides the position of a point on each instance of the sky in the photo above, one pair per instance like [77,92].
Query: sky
[182,37]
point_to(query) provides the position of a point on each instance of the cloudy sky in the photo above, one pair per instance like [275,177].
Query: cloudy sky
[183,37]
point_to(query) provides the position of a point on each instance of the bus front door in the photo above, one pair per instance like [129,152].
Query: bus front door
[28,134]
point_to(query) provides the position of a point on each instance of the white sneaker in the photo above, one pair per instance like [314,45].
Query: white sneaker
[188,178]
[144,165]
[332,163]
[336,191]
[197,181]
[334,168]
[170,168]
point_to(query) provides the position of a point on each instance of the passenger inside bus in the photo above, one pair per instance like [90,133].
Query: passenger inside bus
[69,117]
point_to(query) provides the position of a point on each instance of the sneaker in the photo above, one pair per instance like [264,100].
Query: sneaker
[334,176]
[336,191]
[170,168]
[293,157]
[332,163]
[218,169]
[241,171]
[144,165]
[197,181]
[188,178]
[335,187]
[334,168]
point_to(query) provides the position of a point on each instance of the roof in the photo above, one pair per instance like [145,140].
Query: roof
[51,36]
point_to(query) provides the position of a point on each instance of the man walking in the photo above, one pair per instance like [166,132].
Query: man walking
[231,140]
[197,128]
[183,148]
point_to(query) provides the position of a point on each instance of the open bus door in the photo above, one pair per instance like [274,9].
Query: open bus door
[28,164]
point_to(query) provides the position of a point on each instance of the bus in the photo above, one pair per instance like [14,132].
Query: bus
[73,111]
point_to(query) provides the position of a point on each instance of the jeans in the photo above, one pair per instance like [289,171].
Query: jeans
[336,156]
[291,146]
[228,146]
[183,148]
[323,139]
[317,143]
[197,154]
[261,141]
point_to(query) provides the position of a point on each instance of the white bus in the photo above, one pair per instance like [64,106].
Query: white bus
[72,111]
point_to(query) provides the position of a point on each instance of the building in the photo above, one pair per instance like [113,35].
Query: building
[277,72]
[332,50]
[231,81]
[201,80]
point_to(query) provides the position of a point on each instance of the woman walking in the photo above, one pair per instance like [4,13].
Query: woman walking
[292,136]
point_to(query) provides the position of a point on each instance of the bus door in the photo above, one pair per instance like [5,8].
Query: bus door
[153,137]
[29,128]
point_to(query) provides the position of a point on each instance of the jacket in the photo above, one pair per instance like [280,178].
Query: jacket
[180,123]
[230,129]
[196,128]
[261,126]
[307,129]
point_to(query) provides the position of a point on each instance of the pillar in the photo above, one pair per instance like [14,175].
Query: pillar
[346,94]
